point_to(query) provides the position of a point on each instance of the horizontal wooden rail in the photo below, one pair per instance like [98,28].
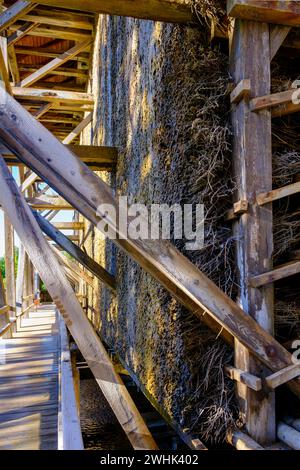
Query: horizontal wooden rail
[280,272]
[174,11]
[253,382]
[98,157]
[283,376]
[270,101]
[268,11]
[285,191]
[59,168]
[69,431]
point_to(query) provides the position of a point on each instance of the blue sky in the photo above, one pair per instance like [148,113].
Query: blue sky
[62,216]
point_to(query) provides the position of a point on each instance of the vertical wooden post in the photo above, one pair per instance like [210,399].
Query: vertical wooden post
[250,59]
[20,282]
[10,265]
[4,319]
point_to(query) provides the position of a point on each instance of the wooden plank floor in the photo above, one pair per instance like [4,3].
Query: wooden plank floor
[29,383]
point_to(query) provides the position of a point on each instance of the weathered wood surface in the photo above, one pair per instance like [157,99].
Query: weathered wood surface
[102,158]
[283,376]
[10,265]
[29,384]
[242,441]
[69,431]
[279,193]
[268,101]
[280,272]
[65,299]
[4,65]
[174,11]
[282,12]
[243,377]
[53,162]
[252,155]
[76,252]
[50,96]
[9,16]
[288,435]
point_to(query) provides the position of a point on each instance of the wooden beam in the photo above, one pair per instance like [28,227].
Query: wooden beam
[278,35]
[241,91]
[52,96]
[59,168]
[65,299]
[275,194]
[239,207]
[294,423]
[28,182]
[268,11]
[73,267]
[68,225]
[42,110]
[13,65]
[288,435]
[102,158]
[78,129]
[56,32]
[14,12]
[55,63]
[280,272]
[20,33]
[73,238]
[49,202]
[282,376]
[242,441]
[252,159]
[10,265]
[243,377]
[69,430]
[272,100]
[63,72]
[48,52]
[4,65]
[60,18]
[76,252]
[173,11]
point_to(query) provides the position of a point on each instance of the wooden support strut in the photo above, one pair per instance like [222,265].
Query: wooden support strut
[55,63]
[82,331]
[14,12]
[174,11]
[75,252]
[53,162]
[280,272]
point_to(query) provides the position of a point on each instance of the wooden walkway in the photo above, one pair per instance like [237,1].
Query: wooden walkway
[29,383]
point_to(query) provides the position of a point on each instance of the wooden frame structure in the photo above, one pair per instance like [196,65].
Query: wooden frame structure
[43,111]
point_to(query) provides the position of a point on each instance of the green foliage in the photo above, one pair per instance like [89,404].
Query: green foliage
[2,267]
[2,263]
